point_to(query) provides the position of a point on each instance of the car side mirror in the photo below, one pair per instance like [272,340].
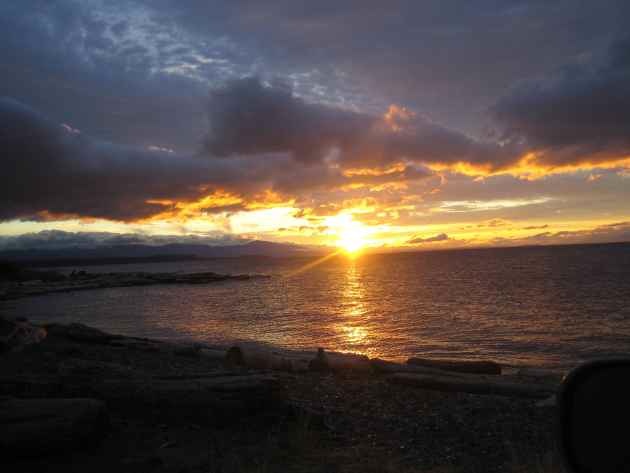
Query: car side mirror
[594,417]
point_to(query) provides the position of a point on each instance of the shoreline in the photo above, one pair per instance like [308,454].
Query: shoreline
[190,407]
[41,283]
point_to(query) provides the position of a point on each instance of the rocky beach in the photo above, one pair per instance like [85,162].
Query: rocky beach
[74,398]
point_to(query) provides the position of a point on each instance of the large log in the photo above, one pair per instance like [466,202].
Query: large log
[251,392]
[391,367]
[541,373]
[465,366]
[348,362]
[264,359]
[34,427]
[220,392]
[479,384]
[295,361]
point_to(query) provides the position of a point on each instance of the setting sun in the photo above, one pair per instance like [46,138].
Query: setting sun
[351,234]
[351,241]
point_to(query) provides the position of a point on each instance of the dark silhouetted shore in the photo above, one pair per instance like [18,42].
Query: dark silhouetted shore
[79,399]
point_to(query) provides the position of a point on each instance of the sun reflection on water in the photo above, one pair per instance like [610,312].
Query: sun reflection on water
[354,333]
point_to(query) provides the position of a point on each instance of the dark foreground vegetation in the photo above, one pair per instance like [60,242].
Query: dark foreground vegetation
[73,398]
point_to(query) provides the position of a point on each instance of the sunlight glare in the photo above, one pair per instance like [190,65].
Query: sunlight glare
[352,235]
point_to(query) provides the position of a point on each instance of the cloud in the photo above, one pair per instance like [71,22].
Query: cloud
[59,240]
[433,239]
[609,233]
[449,59]
[581,114]
[55,171]
[248,117]
[50,171]
[121,82]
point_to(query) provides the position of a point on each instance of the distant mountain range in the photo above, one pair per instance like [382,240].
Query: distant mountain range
[168,252]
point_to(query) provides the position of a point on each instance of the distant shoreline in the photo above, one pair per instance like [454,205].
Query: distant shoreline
[36,283]
[78,261]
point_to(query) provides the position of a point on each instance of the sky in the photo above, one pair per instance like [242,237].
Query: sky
[415,124]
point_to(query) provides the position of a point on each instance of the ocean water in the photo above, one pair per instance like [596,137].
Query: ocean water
[549,306]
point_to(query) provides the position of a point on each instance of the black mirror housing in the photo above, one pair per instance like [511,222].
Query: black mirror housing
[594,417]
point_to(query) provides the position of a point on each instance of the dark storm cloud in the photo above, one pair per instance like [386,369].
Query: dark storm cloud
[449,58]
[52,170]
[580,114]
[48,167]
[249,117]
[67,59]
[137,74]
[139,62]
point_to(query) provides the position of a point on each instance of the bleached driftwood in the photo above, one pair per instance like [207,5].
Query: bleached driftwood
[348,362]
[261,358]
[391,367]
[464,366]
[473,384]
[220,391]
[223,392]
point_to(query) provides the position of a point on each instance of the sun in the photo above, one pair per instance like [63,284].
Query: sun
[352,242]
[352,236]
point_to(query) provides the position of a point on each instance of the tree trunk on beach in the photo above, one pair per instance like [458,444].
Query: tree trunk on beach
[220,392]
[473,385]
[466,366]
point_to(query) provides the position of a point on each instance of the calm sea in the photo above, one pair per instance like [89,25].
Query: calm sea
[552,306]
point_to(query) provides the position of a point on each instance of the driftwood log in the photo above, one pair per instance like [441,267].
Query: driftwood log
[391,367]
[477,367]
[348,362]
[473,384]
[263,359]
[221,392]
[298,361]
[35,427]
